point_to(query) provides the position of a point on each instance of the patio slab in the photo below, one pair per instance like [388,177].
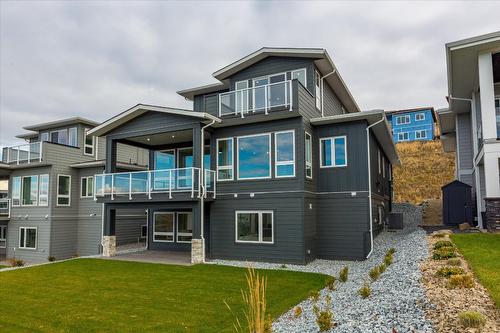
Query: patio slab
[157,257]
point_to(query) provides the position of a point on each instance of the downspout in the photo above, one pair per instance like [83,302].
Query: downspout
[370,183]
[202,185]
[322,94]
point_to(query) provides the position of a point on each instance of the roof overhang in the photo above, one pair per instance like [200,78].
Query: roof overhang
[61,123]
[449,142]
[140,109]
[446,121]
[102,163]
[381,130]
[462,67]
[27,135]
[321,58]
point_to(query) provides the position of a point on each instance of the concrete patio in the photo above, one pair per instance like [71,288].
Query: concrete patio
[157,257]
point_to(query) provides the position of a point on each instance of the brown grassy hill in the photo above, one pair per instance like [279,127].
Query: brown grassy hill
[424,169]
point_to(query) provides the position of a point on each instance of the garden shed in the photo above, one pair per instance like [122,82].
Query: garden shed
[457,203]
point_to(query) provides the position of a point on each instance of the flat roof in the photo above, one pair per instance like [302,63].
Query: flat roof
[61,123]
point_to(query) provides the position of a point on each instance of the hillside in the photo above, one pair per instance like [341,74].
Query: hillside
[425,169]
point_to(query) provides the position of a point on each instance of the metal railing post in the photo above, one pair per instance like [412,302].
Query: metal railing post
[192,182]
[18,154]
[170,183]
[265,99]
[291,94]
[29,153]
[149,184]
[8,204]
[220,106]
[215,183]
[8,155]
[130,186]
[40,153]
[199,184]
[112,186]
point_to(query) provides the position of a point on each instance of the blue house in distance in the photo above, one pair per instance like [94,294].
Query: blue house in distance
[412,124]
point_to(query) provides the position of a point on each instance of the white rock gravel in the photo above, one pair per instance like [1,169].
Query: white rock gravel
[397,300]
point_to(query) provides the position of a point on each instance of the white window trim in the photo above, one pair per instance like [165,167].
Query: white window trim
[238,156]
[85,145]
[24,245]
[177,234]
[37,190]
[278,163]
[40,188]
[259,212]
[332,143]
[20,191]
[63,195]
[308,163]
[3,239]
[403,134]
[418,115]
[420,136]
[90,179]
[69,136]
[224,167]
[299,70]
[163,233]
[407,120]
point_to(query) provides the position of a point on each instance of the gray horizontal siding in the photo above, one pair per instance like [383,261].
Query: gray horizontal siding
[464,141]
[128,225]
[331,104]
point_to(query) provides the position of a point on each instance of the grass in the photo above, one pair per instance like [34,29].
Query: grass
[482,252]
[2,266]
[93,295]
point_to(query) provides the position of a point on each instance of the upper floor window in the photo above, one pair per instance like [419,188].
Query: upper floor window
[333,152]
[43,194]
[402,120]
[300,75]
[67,136]
[63,190]
[421,134]
[16,191]
[308,151]
[420,116]
[254,156]
[29,190]
[317,90]
[44,136]
[87,187]
[88,144]
[403,136]
[225,159]
[284,154]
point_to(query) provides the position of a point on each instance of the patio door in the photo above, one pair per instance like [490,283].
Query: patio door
[184,163]
[164,161]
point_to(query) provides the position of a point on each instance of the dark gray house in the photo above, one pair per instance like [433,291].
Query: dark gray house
[274,163]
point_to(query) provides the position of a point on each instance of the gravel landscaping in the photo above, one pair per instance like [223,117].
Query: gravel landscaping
[397,299]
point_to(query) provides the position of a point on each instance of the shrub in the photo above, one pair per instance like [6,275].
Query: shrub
[16,262]
[283,266]
[391,250]
[448,271]
[438,235]
[324,318]
[460,281]
[442,243]
[374,273]
[365,291]
[454,262]
[444,253]
[330,283]
[344,273]
[297,312]
[388,259]
[314,295]
[471,319]
[382,267]
[51,258]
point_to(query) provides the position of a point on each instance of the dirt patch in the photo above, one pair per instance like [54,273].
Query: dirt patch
[433,213]
[448,303]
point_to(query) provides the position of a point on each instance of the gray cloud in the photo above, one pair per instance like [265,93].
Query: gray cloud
[95,59]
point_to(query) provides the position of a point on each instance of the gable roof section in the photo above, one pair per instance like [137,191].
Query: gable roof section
[322,61]
[381,131]
[140,109]
[429,108]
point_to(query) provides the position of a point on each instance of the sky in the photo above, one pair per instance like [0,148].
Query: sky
[96,59]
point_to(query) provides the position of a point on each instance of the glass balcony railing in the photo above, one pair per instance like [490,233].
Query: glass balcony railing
[262,98]
[149,182]
[30,152]
[4,207]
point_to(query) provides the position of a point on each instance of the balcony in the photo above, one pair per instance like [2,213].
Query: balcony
[153,182]
[27,153]
[259,99]
[4,208]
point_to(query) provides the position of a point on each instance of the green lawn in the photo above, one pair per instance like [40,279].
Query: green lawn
[482,252]
[2,266]
[93,295]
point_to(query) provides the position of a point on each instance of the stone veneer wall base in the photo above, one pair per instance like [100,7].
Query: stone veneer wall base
[197,251]
[108,246]
[492,213]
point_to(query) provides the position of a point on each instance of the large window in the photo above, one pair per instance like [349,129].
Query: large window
[43,194]
[44,136]
[402,120]
[73,136]
[333,152]
[3,236]
[420,134]
[308,150]
[300,75]
[87,187]
[284,154]
[254,227]
[225,159]
[88,144]
[67,136]
[16,191]
[27,238]
[420,116]
[184,227]
[163,227]
[403,136]
[30,191]
[254,160]
[63,190]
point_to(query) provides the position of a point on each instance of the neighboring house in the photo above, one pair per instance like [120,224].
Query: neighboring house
[274,163]
[50,209]
[471,125]
[412,124]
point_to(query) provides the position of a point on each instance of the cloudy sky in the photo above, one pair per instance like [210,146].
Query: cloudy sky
[95,59]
